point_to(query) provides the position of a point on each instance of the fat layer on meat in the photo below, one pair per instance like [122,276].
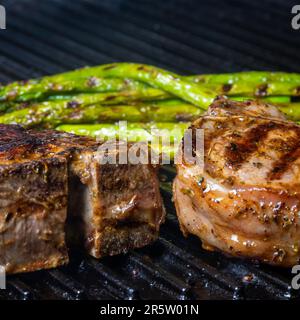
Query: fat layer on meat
[246,202]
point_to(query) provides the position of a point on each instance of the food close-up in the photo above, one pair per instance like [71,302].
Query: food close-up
[149,150]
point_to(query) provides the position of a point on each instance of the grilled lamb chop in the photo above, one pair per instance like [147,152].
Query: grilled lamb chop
[44,175]
[246,202]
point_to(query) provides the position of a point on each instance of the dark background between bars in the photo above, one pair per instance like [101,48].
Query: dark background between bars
[188,37]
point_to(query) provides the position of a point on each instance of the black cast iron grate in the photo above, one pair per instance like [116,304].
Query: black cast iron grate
[45,37]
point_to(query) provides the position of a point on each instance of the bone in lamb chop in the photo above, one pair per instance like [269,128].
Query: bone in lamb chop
[246,202]
[46,174]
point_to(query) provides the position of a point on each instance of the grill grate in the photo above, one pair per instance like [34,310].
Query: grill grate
[184,36]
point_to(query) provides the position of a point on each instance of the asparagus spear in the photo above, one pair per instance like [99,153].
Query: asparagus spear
[237,89]
[50,114]
[115,98]
[153,76]
[36,89]
[249,76]
[292,110]
[256,89]
[84,80]
[91,80]
[133,132]
[104,131]
[87,99]
[88,109]
[271,99]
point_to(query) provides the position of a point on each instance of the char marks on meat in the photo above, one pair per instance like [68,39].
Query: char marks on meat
[46,174]
[246,202]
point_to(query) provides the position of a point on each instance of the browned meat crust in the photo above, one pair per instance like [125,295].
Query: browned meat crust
[122,204]
[246,202]
[44,174]
[33,201]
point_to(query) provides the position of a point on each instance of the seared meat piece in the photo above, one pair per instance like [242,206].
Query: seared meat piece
[44,175]
[113,208]
[33,201]
[246,202]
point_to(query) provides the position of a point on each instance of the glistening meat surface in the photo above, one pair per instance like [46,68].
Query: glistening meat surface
[246,202]
[47,175]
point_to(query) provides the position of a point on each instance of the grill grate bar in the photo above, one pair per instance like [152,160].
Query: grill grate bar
[63,41]
[179,22]
[84,37]
[261,23]
[154,40]
[160,277]
[119,287]
[126,42]
[209,271]
[23,291]
[25,57]
[73,287]
[252,32]
[266,5]
[43,50]
[268,38]
[201,40]
[55,290]
[64,46]
[221,33]
[283,285]
[11,70]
